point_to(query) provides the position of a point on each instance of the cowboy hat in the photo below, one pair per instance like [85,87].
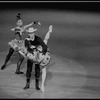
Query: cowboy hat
[31,30]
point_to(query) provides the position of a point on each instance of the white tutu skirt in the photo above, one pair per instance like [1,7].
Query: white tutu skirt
[16,44]
[36,56]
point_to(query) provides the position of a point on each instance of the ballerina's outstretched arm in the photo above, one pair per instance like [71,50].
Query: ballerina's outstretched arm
[36,22]
[26,26]
[13,29]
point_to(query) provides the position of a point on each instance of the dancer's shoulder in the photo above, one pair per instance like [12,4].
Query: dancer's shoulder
[37,37]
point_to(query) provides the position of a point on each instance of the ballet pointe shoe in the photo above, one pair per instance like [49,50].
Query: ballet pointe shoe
[50,28]
[42,88]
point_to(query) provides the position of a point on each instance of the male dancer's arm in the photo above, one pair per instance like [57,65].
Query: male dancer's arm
[28,46]
[44,46]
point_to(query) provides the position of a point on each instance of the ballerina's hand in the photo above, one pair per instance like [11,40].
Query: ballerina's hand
[13,29]
[39,23]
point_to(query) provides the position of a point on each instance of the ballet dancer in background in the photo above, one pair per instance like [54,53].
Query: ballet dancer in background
[14,44]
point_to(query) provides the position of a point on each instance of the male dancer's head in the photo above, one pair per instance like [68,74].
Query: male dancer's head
[31,33]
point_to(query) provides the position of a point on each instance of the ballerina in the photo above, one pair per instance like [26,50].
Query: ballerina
[44,68]
[17,42]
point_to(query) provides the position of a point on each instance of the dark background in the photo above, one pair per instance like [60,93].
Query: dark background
[76,26]
[92,6]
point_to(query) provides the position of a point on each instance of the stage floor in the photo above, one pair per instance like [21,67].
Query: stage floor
[65,79]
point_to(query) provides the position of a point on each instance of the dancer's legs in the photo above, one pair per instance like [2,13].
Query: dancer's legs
[11,51]
[43,78]
[21,58]
[47,36]
[37,76]
[28,73]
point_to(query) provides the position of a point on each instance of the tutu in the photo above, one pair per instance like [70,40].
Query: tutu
[16,44]
[37,56]
[44,60]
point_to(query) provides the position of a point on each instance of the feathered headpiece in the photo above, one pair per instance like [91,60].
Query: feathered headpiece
[18,16]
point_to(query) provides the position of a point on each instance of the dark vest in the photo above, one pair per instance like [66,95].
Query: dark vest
[36,42]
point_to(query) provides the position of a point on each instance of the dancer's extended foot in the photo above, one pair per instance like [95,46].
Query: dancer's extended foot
[19,72]
[3,66]
[42,88]
[50,28]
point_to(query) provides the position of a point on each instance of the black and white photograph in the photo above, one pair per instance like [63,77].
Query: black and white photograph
[49,49]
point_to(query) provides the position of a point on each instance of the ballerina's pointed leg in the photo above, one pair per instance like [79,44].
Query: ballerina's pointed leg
[47,36]
[43,79]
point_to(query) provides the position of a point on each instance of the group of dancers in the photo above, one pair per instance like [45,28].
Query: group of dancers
[33,48]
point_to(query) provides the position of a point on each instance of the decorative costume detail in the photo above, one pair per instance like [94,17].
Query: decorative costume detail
[16,44]
[18,16]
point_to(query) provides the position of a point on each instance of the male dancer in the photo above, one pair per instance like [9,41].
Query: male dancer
[30,42]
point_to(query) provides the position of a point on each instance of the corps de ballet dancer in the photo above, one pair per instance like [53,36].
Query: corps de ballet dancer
[17,42]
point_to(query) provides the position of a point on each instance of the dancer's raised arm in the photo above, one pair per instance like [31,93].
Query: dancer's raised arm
[13,29]
[35,22]
[26,26]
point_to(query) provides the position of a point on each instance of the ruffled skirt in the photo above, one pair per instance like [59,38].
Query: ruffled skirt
[16,44]
[36,56]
